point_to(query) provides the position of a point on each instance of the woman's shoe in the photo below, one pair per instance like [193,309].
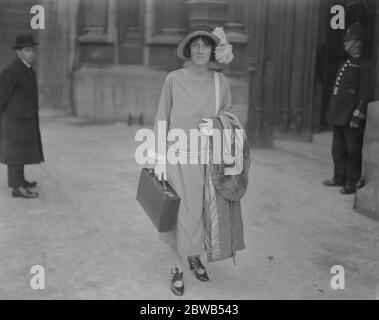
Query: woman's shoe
[198,269]
[177,284]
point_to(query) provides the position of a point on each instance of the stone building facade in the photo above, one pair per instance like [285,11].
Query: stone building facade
[106,59]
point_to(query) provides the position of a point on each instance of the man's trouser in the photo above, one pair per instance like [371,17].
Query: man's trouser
[15,176]
[347,155]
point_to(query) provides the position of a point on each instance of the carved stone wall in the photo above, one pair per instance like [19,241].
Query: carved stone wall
[57,50]
[367,198]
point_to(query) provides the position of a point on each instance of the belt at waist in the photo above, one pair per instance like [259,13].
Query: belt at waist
[338,91]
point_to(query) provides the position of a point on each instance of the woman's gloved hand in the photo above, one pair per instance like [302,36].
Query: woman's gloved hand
[206,126]
[160,171]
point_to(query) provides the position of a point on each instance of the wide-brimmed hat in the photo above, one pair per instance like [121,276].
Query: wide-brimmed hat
[355,32]
[24,40]
[191,35]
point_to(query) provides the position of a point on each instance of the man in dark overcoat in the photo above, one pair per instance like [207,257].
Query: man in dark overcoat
[20,137]
[353,88]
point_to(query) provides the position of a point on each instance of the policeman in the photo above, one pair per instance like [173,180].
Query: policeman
[353,89]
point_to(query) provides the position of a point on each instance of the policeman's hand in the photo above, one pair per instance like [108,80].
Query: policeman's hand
[160,171]
[356,123]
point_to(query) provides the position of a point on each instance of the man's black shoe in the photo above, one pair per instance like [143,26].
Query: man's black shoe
[348,190]
[30,184]
[23,192]
[332,183]
[360,183]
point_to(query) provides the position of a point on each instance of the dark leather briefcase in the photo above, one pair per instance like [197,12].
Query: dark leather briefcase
[158,199]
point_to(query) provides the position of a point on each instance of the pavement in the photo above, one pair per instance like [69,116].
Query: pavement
[94,241]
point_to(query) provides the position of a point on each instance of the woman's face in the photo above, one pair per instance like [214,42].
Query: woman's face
[200,52]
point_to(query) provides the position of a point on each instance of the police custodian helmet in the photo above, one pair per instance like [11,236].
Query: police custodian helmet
[355,32]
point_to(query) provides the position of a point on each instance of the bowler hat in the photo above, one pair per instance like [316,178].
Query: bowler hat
[355,32]
[24,40]
[203,31]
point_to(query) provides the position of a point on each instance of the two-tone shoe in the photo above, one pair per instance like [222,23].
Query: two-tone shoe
[177,283]
[198,269]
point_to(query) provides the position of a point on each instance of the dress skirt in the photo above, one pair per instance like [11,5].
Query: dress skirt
[188,235]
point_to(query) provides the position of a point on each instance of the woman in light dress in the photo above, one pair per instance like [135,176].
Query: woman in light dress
[188,102]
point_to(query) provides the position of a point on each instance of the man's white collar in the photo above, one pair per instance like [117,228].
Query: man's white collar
[27,64]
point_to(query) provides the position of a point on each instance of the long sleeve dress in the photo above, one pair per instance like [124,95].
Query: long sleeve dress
[183,103]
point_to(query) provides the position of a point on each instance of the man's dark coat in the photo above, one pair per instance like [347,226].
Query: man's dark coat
[20,137]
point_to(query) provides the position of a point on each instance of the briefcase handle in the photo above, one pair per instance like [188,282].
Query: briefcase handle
[164,185]
[162,181]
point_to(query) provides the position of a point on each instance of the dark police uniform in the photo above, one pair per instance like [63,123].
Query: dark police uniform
[353,89]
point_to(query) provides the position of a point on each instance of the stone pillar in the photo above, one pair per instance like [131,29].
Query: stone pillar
[235,31]
[367,198]
[149,21]
[303,66]
[170,26]
[260,134]
[285,13]
[57,54]
[377,53]
[211,13]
